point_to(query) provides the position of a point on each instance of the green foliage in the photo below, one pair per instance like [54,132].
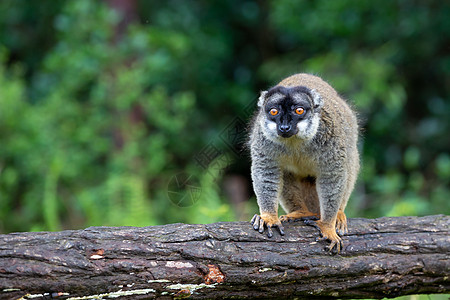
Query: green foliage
[98,131]
[98,116]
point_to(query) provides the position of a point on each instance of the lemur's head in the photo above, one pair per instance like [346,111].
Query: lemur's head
[290,111]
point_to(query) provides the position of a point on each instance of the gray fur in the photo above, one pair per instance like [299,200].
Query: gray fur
[317,167]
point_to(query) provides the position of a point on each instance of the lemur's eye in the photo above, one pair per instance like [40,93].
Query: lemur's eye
[273,111]
[299,111]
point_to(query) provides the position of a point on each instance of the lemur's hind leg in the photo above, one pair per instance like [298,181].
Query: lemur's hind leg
[300,199]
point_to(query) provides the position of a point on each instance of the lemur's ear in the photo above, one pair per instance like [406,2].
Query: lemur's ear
[261,99]
[317,99]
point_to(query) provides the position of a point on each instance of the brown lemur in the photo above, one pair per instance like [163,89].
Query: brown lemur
[303,145]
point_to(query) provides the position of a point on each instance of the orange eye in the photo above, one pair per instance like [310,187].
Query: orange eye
[274,112]
[300,111]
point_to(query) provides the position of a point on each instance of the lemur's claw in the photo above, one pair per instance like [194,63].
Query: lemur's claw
[312,223]
[255,221]
[259,223]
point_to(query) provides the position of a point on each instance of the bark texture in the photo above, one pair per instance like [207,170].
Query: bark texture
[383,257]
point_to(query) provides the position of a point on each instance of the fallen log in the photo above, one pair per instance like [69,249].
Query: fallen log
[383,257]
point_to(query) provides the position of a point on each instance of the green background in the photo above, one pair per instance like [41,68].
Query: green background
[135,114]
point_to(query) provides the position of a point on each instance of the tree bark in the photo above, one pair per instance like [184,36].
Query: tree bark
[383,257]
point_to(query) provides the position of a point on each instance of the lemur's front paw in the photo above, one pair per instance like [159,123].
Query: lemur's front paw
[328,232]
[267,220]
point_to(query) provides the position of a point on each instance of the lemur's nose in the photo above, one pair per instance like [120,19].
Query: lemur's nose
[285,128]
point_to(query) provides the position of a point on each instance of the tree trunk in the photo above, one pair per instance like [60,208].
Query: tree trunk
[383,257]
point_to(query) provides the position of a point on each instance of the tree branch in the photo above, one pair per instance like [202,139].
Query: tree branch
[383,257]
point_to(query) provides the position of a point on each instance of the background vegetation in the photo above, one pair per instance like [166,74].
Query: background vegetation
[132,112]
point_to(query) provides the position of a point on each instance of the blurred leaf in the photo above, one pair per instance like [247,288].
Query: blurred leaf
[411,158]
[443,166]
[410,205]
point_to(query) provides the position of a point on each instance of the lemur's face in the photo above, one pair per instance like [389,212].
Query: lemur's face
[289,113]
